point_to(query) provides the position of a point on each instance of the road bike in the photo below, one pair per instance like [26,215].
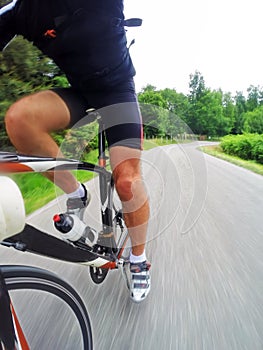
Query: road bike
[111,251]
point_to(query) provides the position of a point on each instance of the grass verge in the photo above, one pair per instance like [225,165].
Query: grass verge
[216,151]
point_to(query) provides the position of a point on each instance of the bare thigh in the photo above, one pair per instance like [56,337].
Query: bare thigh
[44,111]
[29,123]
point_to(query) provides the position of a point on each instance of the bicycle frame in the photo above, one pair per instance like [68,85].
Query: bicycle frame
[32,239]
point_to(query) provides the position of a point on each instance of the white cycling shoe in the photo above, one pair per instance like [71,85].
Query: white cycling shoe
[140,283]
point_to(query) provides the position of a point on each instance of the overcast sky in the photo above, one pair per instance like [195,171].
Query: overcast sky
[221,39]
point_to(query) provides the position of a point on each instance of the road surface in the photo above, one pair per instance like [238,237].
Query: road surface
[205,245]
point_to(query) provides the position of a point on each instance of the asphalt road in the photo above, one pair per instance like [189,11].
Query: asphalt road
[205,245]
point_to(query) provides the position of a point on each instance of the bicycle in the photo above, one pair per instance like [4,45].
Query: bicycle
[110,251]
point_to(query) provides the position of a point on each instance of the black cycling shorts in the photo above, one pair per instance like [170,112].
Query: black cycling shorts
[118,108]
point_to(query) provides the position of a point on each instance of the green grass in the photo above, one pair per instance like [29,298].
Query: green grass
[38,191]
[217,151]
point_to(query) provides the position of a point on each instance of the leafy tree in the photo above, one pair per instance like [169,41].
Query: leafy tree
[152,106]
[163,112]
[211,117]
[216,122]
[252,101]
[240,110]
[177,105]
[149,87]
[151,96]
[228,114]
[253,121]
[199,100]
[195,115]
[196,86]
[254,98]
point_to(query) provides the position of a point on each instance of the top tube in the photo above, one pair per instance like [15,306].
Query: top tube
[19,163]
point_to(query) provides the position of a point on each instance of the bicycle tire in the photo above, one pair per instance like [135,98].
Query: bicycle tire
[19,277]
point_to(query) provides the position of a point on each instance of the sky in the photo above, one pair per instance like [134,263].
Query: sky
[220,39]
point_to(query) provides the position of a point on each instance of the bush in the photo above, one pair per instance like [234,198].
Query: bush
[257,148]
[247,146]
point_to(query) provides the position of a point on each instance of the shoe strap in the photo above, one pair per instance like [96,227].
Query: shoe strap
[140,267]
[138,277]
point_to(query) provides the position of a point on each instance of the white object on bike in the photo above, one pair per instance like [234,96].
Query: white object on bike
[12,208]
[77,230]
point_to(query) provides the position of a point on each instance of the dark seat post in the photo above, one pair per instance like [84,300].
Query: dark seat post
[102,144]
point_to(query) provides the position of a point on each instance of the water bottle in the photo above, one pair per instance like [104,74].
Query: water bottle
[75,230]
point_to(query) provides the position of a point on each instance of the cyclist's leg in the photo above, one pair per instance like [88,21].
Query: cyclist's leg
[29,122]
[122,120]
[126,165]
[128,179]
[123,125]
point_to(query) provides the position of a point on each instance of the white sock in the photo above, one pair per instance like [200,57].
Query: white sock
[78,193]
[136,259]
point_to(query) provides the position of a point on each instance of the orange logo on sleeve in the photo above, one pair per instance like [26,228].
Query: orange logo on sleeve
[51,33]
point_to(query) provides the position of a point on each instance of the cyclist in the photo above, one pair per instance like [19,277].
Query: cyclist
[87,40]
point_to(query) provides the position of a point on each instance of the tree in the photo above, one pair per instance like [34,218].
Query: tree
[152,106]
[211,113]
[196,86]
[198,99]
[178,106]
[195,116]
[240,109]
[176,103]
[253,121]
[228,114]
[150,95]
[254,98]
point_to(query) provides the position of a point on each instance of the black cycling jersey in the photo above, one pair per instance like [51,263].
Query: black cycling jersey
[85,38]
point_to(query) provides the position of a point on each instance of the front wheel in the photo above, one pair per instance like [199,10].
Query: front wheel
[51,313]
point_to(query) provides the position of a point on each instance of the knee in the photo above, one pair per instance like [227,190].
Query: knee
[16,119]
[16,114]
[124,185]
